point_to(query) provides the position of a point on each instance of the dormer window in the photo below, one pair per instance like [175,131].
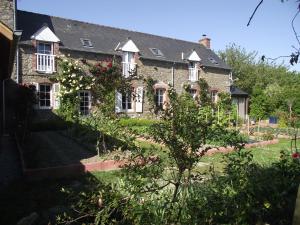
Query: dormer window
[45,40]
[45,58]
[193,71]
[128,63]
[129,51]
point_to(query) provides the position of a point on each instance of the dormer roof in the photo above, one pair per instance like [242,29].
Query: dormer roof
[194,57]
[45,34]
[127,46]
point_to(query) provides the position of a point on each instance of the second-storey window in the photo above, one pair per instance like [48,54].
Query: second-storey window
[85,102]
[128,65]
[44,96]
[193,71]
[45,58]
[160,97]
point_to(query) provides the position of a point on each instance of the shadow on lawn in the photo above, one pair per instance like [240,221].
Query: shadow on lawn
[46,198]
[54,142]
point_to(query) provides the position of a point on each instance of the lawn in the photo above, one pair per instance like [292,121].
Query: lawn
[262,155]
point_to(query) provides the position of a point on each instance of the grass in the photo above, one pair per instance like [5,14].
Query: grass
[261,155]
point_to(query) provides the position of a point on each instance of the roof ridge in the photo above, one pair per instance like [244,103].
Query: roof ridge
[117,28]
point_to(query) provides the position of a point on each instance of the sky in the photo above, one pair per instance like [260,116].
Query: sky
[270,32]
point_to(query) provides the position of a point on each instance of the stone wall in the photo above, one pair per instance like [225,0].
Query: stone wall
[161,71]
[7,13]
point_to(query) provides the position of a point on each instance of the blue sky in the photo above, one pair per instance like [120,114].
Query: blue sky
[270,32]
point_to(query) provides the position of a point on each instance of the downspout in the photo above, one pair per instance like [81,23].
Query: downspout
[17,47]
[173,73]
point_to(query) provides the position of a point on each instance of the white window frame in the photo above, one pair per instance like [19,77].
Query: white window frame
[45,61]
[39,95]
[128,64]
[160,97]
[127,97]
[193,93]
[193,71]
[86,104]
[214,96]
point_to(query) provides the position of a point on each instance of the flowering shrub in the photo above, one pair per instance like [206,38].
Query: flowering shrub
[296,155]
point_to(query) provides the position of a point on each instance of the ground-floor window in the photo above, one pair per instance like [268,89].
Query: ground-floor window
[214,96]
[85,102]
[159,100]
[193,93]
[127,101]
[44,95]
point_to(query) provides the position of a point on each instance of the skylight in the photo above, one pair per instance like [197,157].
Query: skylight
[212,60]
[156,52]
[86,43]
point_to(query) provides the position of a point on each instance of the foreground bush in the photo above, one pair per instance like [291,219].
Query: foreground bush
[245,194]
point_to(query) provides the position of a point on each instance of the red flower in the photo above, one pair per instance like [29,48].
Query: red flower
[296,155]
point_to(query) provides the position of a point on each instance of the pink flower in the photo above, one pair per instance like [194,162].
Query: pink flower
[296,155]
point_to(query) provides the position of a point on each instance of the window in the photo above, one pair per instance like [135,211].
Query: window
[85,102]
[193,93]
[156,52]
[44,96]
[45,58]
[160,97]
[212,60]
[193,71]
[87,43]
[128,63]
[214,96]
[127,102]
[44,48]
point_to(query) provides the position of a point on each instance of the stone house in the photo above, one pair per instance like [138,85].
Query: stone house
[168,61]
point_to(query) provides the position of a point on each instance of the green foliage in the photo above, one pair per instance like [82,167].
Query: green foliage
[204,95]
[259,108]
[278,85]
[246,193]
[150,94]
[130,122]
[72,78]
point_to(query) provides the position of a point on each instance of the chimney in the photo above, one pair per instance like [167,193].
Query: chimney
[205,41]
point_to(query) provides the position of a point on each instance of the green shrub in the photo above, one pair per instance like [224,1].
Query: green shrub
[268,136]
[135,122]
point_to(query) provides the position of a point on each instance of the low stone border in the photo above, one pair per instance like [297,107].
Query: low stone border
[251,145]
[72,169]
[107,165]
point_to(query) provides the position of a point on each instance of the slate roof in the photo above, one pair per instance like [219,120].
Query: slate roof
[237,92]
[105,39]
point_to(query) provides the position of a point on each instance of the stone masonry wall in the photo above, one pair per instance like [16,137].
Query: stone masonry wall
[159,70]
[7,13]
